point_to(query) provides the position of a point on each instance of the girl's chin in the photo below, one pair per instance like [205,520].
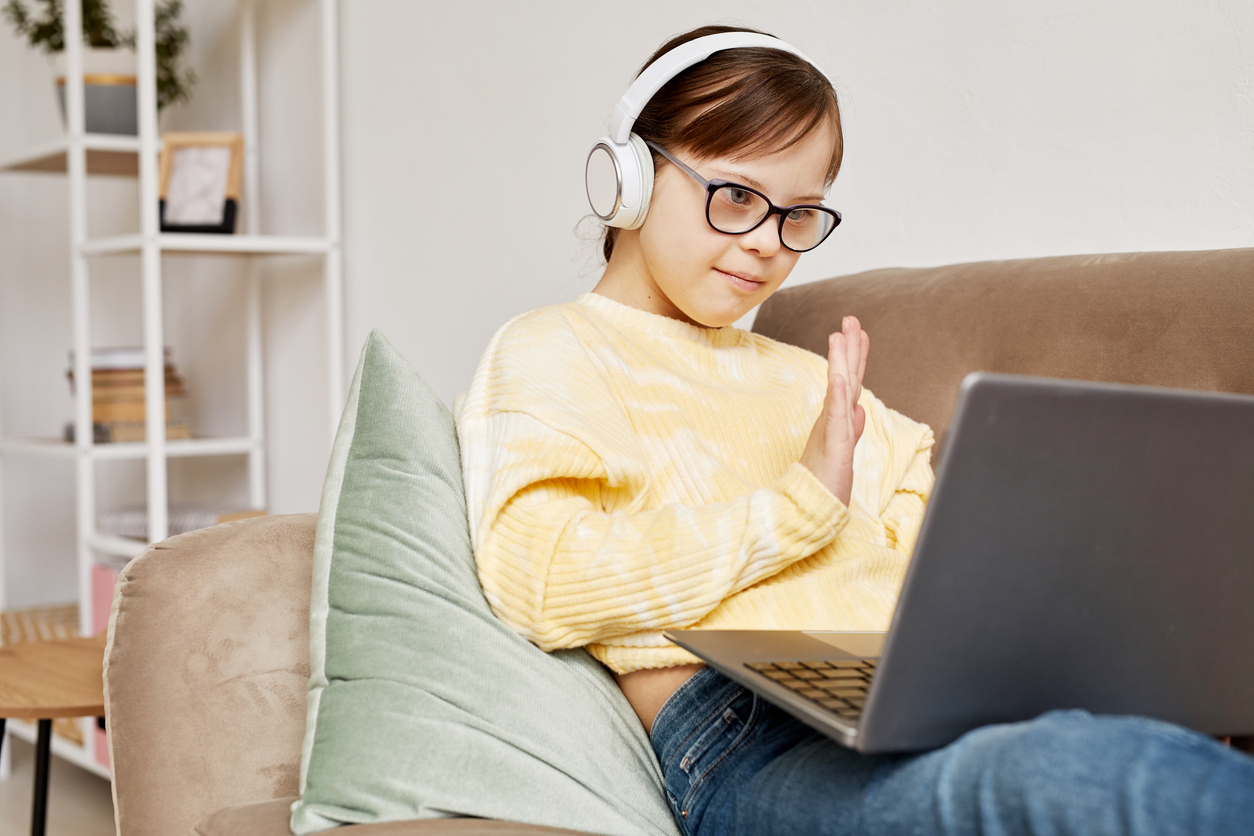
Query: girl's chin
[717,319]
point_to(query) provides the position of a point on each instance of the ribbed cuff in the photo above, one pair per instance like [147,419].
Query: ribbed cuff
[631,659]
[817,504]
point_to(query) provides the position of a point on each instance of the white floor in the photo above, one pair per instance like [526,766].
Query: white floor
[79,803]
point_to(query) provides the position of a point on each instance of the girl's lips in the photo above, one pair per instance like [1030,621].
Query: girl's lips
[743,282]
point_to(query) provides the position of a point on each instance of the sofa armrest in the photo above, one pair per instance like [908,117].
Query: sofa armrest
[206,672]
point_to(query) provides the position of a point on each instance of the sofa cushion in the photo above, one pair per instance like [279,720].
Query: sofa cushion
[421,703]
[270,818]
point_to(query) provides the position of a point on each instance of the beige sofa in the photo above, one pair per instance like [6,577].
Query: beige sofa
[207,664]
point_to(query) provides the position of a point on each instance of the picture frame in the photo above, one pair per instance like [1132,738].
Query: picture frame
[200,176]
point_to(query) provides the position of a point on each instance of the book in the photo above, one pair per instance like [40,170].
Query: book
[135,410]
[124,431]
[132,520]
[123,379]
[122,411]
[120,357]
[103,579]
[113,394]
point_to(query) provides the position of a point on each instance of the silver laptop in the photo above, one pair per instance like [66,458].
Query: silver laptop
[1086,546]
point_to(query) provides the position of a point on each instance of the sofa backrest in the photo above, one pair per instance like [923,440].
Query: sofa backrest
[1179,319]
[206,673]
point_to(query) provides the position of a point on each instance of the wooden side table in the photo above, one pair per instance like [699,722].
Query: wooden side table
[46,679]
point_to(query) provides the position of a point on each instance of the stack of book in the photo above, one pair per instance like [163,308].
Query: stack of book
[118,410]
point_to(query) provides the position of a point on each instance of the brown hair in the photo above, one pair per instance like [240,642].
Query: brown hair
[747,101]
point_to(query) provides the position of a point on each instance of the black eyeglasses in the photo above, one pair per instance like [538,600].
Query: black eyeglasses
[734,209]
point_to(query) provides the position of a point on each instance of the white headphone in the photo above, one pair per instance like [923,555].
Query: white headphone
[618,174]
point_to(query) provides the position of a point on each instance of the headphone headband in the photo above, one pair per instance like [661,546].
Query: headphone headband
[673,63]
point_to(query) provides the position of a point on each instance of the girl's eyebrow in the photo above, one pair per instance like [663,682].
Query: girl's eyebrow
[749,181]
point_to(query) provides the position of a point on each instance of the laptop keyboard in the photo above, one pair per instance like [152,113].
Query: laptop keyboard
[838,685]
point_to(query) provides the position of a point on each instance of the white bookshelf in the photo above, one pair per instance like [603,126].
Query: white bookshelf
[78,155]
[67,749]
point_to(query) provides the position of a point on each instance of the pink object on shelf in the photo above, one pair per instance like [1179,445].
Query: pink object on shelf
[103,579]
[102,747]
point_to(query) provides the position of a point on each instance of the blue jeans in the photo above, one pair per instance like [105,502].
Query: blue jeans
[734,764]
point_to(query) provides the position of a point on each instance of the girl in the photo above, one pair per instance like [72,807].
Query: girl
[633,464]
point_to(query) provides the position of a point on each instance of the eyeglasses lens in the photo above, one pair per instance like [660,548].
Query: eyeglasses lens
[734,210]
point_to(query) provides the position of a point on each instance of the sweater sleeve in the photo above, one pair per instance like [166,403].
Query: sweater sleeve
[902,477]
[567,556]
[903,516]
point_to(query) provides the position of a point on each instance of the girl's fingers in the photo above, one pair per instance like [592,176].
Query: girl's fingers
[838,414]
[836,351]
[853,355]
[866,349]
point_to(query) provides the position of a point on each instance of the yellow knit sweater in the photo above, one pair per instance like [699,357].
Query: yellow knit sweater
[628,473]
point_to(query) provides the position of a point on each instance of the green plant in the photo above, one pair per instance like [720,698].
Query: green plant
[46,32]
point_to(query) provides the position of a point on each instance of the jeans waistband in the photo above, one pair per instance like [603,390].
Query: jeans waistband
[706,691]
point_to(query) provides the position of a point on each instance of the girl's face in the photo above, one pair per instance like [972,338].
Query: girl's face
[676,265]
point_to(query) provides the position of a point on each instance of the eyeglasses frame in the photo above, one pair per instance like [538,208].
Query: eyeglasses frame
[711,186]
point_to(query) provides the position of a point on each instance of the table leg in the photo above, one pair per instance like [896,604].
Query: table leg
[43,760]
[2,735]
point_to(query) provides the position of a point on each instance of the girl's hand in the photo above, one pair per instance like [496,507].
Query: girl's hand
[829,451]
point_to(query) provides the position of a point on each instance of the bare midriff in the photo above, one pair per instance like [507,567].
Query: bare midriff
[646,690]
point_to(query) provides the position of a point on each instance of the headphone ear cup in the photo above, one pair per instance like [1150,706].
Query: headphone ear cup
[644,165]
[619,181]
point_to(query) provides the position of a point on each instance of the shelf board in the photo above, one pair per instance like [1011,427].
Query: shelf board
[47,447]
[172,242]
[181,448]
[107,155]
[62,748]
[117,546]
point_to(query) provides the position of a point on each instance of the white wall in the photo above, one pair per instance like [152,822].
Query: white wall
[974,130]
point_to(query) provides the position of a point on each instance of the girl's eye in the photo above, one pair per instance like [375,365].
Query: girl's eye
[800,216]
[737,196]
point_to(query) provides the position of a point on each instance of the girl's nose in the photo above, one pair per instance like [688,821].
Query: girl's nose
[764,240]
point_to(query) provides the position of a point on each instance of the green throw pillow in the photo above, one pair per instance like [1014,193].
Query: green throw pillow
[421,703]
